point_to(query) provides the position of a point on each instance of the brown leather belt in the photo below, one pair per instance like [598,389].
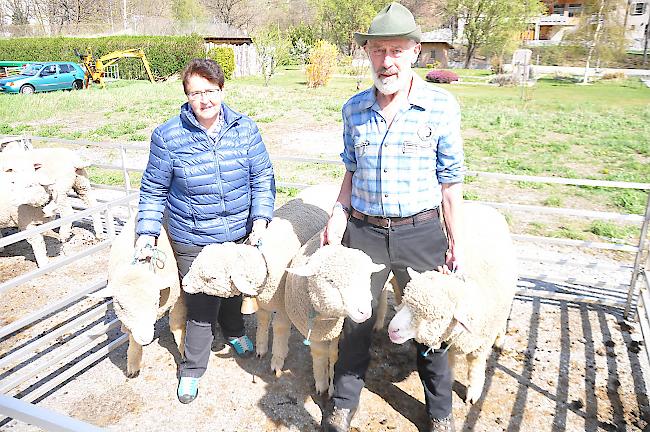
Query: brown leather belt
[395,221]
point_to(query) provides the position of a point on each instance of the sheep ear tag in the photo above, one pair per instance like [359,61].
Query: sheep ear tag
[243,285]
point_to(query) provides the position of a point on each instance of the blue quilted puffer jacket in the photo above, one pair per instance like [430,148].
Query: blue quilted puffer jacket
[212,191]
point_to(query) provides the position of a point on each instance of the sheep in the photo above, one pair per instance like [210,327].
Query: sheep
[292,225]
[323,287]
[143,291]
[21,206]
[468,312]
[58,170]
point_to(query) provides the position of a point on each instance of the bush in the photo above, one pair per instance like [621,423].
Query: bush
[441,76]
[322,59]
[614,76]
[167,55]
[225,56]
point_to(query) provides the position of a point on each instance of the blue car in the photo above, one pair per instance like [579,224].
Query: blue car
[44,76]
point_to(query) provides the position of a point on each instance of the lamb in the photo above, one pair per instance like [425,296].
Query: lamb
[323,287]
[143,291]
[21,206]
[219,270]
[58,170]
[469,312]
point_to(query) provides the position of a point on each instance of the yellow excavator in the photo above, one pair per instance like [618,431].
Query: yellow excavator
[95,66]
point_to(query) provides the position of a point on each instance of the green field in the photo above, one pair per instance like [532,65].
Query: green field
[556,128]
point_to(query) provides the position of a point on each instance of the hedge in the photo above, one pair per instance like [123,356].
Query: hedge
[167,55]
[225,56]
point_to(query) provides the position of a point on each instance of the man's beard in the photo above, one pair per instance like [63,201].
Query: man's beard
[391,85]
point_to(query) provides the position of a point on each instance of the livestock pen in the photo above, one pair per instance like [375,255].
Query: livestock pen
[576,359]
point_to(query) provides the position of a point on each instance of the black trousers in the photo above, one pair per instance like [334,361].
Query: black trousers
[203,313]
[421,246]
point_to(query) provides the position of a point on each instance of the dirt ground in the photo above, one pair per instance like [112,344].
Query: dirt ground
[566,366]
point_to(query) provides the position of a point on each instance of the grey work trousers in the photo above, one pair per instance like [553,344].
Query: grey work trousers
[421,246]
[203,313]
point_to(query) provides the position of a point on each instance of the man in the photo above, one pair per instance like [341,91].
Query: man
[404,159]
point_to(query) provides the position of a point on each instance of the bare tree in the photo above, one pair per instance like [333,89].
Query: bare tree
[236,13]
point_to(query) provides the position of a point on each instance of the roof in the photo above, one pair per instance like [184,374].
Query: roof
[440,35]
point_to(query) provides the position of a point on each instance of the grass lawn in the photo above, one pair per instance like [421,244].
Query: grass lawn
[600,131]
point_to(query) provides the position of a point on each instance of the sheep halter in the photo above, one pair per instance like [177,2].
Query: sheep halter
[156,260]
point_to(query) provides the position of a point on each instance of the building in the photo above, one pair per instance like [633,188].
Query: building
[435,47]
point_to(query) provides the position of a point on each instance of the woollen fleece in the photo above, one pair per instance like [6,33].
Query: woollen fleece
[212,271]
[308,295]
[483,298]
[137,291]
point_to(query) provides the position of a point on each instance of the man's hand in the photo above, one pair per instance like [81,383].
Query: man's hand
[144,247]
[335,228]
[453,262]
[259,226]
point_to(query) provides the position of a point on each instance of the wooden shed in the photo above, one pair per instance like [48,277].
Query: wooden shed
[435,47]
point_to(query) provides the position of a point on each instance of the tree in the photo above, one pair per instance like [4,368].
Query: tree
[341,18]
[236,13]
[601,31]
[186,11]
[492,22]
[272,50]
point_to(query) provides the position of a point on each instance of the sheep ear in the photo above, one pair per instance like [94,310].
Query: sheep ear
[412,273]
[461,316]
[304,271]
[243,285]
[374,268]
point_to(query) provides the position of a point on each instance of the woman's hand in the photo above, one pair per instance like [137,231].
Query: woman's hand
[259,226]
[144,247]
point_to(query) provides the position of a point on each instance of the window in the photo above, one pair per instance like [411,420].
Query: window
[432,55]
[65,68]
[637,9]
[575,9]
[558,9]
[49,70]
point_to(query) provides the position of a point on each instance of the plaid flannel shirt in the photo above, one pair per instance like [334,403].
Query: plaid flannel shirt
[397,172]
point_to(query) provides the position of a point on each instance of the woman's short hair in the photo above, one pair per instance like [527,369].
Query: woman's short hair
[206,68]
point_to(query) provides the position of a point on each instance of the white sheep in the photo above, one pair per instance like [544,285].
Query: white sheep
[21,206]
[143,291]
[468,312]
[58,170]
[323,287]
[219,269]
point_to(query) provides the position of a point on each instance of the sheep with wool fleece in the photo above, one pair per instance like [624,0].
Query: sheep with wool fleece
[22,206]
[468,312]
[143,291]
[58,170]
[324,286]
[226,270]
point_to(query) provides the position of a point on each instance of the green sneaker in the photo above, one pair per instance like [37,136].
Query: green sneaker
[188,389]
[242,345]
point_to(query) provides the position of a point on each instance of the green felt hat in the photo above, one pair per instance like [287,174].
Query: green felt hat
[391,22]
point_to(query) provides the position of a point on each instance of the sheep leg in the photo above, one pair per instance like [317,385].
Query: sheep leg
[37,243]
[382,308]
[262,334]
[476,363]
[177,320]
[280,349]
[319,358]
[2,248]
[82,188]
[133,358]
[453,361]
[65,209]
[334,356]
[499,341]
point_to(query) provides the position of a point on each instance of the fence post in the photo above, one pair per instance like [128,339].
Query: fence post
[125,172]
[637,259]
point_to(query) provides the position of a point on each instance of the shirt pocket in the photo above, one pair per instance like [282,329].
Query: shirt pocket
[361,148]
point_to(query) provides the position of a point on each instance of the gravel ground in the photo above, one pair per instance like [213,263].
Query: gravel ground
[566,366]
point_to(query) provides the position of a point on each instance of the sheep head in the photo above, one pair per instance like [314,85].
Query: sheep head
[136,297]
[430,309]
[339,282]
[226,270]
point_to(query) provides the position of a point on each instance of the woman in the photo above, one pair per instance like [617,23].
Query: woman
[209,171]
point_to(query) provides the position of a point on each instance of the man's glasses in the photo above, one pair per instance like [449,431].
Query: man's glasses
[196,95]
